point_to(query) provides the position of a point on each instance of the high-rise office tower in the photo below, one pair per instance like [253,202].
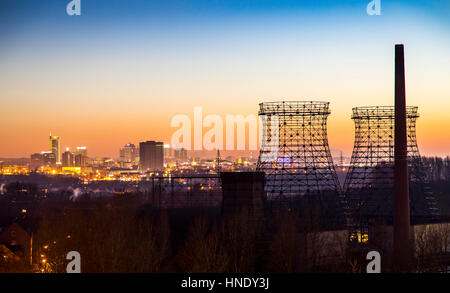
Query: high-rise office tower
[80,160]
[67,158]
[55,147]
[151,155]
[80,156]
[81,150]
[128,155]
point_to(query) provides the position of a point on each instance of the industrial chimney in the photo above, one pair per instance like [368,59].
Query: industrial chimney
[401,189]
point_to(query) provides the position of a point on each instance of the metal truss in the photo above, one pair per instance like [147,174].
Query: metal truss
[294,154]
[369,182]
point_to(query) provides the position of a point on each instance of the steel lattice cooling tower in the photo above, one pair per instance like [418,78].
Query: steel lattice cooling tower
[294,152]
[369,182]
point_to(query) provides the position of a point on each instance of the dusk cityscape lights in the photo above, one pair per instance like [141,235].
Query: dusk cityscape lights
[222,145]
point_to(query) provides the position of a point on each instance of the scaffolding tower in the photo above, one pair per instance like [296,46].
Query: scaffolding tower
[294,154]
[369,182]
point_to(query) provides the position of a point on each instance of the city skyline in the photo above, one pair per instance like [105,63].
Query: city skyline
[219,140]
[100,84]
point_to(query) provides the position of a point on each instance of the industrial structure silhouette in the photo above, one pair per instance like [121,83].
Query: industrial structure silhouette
[369,184]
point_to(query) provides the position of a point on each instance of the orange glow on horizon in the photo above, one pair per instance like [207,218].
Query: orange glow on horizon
[105,137]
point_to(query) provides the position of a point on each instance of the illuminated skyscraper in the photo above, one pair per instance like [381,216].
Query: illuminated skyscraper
[68,158]
[128,155]
[82,150]
[80,156]
[55,147]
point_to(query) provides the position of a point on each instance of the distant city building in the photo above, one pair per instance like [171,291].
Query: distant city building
[68,159]
[80,157]
[103,162]
[180,154]
[167,151]
[36,161]
[55,147]
[81,150]
[128,155]
[49,158]
[151,156]
[80,160]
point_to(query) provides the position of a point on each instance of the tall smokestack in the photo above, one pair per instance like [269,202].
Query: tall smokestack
[401,188]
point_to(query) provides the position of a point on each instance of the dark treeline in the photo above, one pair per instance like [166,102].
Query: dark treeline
[123,234]
[438,171]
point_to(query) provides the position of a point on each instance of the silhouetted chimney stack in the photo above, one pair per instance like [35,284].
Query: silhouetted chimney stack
[401,189]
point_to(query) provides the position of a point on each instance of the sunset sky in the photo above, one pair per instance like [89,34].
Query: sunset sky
[119,72]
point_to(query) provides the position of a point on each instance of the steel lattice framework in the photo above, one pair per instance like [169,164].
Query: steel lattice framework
[369,182]
[294,152]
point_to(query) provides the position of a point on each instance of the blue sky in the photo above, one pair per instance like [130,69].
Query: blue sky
[130,59]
